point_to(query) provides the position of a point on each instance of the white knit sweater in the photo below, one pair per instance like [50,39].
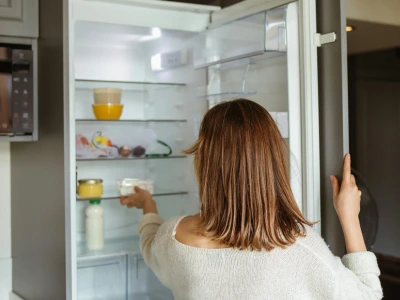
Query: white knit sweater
[306,270]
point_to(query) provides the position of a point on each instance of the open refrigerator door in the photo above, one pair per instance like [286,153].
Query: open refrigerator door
[257,58]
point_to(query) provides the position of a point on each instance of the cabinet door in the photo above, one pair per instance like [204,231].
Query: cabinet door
[143,283]
[102,278]
[19,18]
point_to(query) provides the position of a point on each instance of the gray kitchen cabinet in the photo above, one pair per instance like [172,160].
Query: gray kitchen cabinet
[19,18]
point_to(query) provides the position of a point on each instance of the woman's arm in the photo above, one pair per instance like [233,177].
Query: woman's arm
[360,277]
[149,223]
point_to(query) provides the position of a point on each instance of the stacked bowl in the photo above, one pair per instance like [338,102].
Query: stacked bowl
[107,103]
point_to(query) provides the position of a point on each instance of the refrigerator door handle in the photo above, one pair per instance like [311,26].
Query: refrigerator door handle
[320,39]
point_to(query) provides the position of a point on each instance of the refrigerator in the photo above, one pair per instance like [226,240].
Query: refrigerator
[172,62]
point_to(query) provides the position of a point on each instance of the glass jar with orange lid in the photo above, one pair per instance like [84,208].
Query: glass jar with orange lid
[90,188]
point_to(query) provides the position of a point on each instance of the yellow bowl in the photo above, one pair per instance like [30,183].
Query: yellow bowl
[107,111]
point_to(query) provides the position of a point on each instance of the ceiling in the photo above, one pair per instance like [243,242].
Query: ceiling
[369,37]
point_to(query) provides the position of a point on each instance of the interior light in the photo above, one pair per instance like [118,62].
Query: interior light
[156,62]
[156,32]
[349,28]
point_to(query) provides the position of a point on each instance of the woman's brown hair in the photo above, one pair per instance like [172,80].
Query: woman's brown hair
[244,188]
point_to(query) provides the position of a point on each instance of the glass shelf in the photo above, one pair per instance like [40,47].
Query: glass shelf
[227,94]
[129,158]
[124,85]
[120,246]
[132,121]
[226,89]
[112,194]
[247,61]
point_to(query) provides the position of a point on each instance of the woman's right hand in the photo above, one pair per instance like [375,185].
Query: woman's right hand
[346,197]
[142,199]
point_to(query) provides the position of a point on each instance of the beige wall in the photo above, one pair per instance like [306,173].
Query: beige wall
[377,11]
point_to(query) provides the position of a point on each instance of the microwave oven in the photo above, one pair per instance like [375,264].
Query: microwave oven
[17,95]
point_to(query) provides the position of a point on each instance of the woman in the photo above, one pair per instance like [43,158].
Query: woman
[250,240]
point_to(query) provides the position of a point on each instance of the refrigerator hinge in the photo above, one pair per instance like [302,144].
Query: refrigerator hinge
[320,39]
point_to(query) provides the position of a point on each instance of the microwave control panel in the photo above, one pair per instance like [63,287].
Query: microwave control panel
[22,91]
[18,90]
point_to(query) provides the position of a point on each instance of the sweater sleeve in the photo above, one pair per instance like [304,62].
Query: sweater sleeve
[148,227]
[357,277]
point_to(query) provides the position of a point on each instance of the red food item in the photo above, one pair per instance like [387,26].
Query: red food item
[81,140]
[138,151]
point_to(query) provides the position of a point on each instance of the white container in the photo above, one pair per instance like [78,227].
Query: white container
[126,186]
[107,95]
[94,226]
[147,185]
[131,181]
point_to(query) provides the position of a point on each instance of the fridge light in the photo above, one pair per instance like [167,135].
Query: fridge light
[156,32]
[156,62]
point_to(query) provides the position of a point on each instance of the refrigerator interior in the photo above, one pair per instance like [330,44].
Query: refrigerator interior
[169,79]
[161,103]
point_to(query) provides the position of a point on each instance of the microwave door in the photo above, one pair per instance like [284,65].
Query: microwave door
[5,90]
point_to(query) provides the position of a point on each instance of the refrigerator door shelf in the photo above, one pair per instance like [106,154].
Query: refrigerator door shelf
[241,78]
[246,37]
[235,87]
[230,95]
[245,61]
[221,90]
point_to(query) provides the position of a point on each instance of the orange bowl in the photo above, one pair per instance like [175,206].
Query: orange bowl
[108,111]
